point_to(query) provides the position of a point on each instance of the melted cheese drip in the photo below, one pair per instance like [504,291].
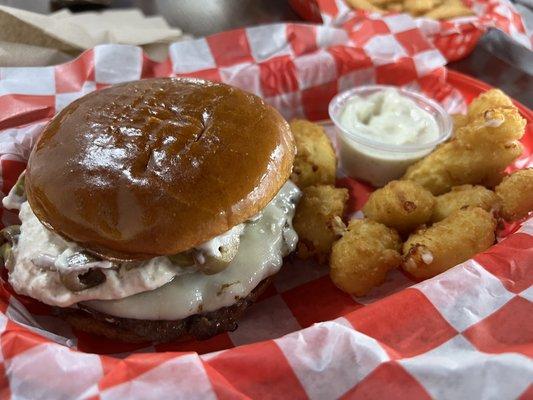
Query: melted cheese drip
[264,242]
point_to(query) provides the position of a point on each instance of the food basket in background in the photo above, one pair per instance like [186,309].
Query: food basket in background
[455,38]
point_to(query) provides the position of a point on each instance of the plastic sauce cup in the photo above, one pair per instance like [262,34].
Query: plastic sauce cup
[374,161]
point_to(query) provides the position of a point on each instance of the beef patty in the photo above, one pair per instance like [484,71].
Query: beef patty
[198,326]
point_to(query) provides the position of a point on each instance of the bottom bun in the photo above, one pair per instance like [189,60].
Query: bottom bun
[197,326]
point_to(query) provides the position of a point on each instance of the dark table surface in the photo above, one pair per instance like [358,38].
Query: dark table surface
[495,60]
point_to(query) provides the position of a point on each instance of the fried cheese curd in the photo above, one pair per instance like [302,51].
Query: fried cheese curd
[459,120]
[361,259]
[479,151]
[402,205]
[487,100]
[318,220]
[315,161]
[516,194]
[464,196]
[455,239]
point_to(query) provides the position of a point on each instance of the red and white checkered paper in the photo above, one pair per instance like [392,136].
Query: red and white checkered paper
[465,333]
[455,38]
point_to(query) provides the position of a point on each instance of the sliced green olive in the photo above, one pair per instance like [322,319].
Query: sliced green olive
[77,282]
[210,264]
[184,258]
[20,185]
[11,233]
[7,255]
[5,249]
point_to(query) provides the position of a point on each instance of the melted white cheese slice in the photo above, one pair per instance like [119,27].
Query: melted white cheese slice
[264,242]
[37,245]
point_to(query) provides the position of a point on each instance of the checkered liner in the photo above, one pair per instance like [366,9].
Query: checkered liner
[464,333]
[455,38]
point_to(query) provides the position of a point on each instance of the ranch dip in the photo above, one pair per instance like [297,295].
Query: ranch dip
[390,118]
[382,131]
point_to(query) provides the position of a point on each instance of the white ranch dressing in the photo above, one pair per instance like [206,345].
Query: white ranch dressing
[390,118]
[374,133]
[264,243]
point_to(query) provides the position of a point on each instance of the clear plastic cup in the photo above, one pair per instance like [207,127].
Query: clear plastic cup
[374,161]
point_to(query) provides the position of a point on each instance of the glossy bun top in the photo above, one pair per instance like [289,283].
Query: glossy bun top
[157,166]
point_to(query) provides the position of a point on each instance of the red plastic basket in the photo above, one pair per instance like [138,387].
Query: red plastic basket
[455,38]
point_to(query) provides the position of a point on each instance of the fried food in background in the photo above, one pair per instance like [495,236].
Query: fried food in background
[479,151]
[516,194]
[364,5]
[449,242]
[435,9]
[449,9]
[318,220]
[315,161]
[464,196]
[402,205]
[394,7]
[361,259]
[419,7]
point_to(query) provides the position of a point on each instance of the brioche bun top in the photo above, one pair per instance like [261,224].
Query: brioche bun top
[157,166]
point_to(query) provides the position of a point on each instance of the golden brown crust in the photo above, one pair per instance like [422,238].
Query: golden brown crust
[449,242]
[315,161]
[318,220]
[361,259]
[477,154]
[402,205]
[464,196]
[516,194]
[197,326]
[157,166]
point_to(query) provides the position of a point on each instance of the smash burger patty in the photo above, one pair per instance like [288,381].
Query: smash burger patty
[199,326]
[154,209]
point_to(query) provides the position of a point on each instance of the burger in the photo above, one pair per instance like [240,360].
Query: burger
[154,210]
